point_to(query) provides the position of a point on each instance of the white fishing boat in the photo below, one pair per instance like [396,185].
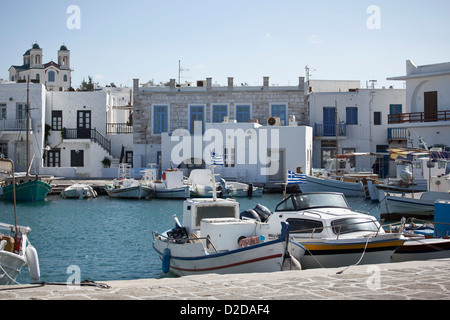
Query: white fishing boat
[16,250]
[333,234]
[238,189]
[349,186]
[200,183]
[78,191]
[417,204]
[128,188]
[171,185]
[214,240]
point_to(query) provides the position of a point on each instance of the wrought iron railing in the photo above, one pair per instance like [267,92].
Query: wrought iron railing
[91,134]
[329,130]
[118,128]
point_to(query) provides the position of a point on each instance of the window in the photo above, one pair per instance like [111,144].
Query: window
[4,149]
[395,109]
[77,158]
[304,226]
[230,156]
[197,118]
[56,120]
[129,157]
[352,115]
[160,119]
[65,78]
[377,118]
[21,111]
[349,225]
[242,113]
[54,158]
[38,76]
[2,111]
[219,113]
[279,110]
[51,76]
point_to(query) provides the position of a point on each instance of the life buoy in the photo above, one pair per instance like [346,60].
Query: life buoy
[163,176]
[33,263]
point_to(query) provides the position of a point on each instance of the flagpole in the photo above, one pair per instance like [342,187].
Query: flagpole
[285,184]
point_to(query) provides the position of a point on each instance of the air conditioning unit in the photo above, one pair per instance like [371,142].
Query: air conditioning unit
[273,121]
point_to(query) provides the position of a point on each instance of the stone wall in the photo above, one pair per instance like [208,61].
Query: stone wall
[179,98]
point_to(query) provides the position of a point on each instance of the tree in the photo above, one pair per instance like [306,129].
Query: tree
[87,86]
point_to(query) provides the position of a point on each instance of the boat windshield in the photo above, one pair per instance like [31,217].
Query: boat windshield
[348,225]
[312,200]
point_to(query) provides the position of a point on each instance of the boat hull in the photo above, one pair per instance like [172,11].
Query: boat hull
[349,189]
[263,257]
[30,191]
[136,192]
[175,193]
[341,253]
[419,248]
[12,264]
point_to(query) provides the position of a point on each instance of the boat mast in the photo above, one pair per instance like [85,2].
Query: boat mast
[28,125]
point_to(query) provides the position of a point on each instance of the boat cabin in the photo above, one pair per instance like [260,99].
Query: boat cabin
[195,210]
[321,215]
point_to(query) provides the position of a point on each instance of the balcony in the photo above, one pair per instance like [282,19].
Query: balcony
[329,130]
[415,117]
[397,134]
[118,128]
[14,125]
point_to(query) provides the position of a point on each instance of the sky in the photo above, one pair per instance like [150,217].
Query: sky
[117,41]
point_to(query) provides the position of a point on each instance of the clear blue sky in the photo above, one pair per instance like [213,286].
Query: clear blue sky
[246,39]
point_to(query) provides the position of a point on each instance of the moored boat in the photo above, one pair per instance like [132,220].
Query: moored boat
[128,188]
[78,191]
[333,234]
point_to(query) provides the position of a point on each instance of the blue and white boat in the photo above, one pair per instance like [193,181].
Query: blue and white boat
[213,239]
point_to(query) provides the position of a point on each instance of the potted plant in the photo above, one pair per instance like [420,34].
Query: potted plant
[106,162]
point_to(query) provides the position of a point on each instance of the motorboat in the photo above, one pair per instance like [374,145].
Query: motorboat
[333,234]
[419,205]
[171,185]
[213,239]
[128,188]
[238,189]
[78,191]
[16,250]
[425,239]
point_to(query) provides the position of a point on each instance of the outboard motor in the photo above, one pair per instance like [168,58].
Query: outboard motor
[250,190]
[250,214]
[263,212]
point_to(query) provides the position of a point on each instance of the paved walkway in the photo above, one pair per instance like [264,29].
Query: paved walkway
[397,281]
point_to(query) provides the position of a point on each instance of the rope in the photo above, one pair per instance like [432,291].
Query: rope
[364,252]
[6,273]
[84,283]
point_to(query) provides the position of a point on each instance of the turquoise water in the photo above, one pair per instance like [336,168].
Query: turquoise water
[108,239]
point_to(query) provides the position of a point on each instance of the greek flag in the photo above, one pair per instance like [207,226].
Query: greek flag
[217,159]
[296,178]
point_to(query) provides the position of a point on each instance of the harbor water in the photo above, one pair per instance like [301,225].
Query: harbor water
[106,239]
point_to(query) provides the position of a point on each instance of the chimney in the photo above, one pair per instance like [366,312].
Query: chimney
[301,83]
[135,84]
[230,83]
[265,81]
[172,83]
[208,83]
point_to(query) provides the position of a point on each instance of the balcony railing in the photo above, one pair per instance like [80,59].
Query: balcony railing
[118,128]
[419,117]
[92,134]
[14,125]
[397,134]
[329,130]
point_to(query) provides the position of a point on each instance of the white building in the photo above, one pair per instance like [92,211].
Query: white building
[55,76]
[252,152]
[427,110]
[354,121]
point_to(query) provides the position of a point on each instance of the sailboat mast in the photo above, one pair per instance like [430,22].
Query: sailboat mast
[28,125]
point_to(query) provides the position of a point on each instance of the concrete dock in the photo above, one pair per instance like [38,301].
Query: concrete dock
[417,280]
